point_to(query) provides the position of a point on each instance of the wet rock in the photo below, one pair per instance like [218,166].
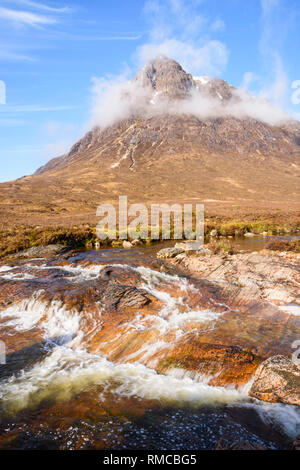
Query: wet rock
[277,380]
[226,364]
[127,244]
[213,233]
[249,234]
[169,252]
[117,296]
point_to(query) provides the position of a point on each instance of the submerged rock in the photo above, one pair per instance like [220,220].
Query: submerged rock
[277,380]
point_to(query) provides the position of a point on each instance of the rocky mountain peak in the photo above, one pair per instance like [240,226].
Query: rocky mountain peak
[166,76]
[214,87]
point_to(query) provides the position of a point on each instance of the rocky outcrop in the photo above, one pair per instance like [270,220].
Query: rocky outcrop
[258,276]
[277,380]
[42,251]
[166,77]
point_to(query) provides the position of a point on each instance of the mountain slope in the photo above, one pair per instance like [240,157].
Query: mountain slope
[161,151]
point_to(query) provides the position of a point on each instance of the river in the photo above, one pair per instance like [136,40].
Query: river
[83,373]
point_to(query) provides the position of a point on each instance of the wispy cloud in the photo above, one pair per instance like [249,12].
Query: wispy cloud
[25,17]
[11,55]
[41,6]
[13,122]
[34,108]
[277,88]
[104,37]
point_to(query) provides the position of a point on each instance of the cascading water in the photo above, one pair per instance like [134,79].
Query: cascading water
[84,354]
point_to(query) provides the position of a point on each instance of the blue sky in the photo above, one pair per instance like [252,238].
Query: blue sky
[50,51]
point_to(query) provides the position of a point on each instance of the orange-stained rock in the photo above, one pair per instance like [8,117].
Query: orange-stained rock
[226,364]
[277,380]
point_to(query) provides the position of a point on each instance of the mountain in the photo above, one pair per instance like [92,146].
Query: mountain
[179,138]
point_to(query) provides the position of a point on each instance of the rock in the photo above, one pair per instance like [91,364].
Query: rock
[137,242]
[42,251]
[214,233]
[264,234]
[277,380]
[296,444]
[181,256]
[127,244]
[203,251]
[117,295]
[97,245]
[190,246]
[169,252]
[249,234]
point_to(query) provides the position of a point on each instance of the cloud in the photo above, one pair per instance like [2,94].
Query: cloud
[33,108]
[117,99]
[207,59]
[24,17]
[177,30]
[11,55]
[41,6]
[277,83]
[248,78]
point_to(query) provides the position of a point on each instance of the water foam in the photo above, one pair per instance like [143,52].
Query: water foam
[51,317]
[65,372]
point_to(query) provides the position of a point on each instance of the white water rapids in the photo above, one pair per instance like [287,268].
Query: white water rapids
[69,368]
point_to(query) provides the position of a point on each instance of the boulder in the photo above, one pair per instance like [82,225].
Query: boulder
[169,252]
[277,380]
[120,296]
[249,234]
[127,244]
[137,242]
[214,233]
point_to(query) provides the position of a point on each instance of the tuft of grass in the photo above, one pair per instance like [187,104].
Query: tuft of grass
[284,245]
